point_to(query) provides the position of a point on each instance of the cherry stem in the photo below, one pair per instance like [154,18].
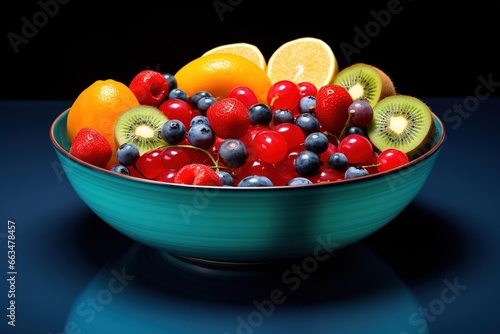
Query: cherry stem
[275,97]
[216,162]
[372,165]
[342,134]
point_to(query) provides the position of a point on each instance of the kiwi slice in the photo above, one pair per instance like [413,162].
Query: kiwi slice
[141,125]
[403,122]
[365,82]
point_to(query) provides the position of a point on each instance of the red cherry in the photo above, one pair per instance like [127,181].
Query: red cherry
[150,163]
[293,134]
[270,146]
[357,148]
[167,176]
[177,109]
[307,89]
[283,94]
[245,95]
[391,158]
[174,158]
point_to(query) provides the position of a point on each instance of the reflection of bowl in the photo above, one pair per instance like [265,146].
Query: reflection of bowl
[138,293]
[242,225]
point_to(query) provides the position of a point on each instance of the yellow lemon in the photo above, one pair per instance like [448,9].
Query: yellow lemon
[305,59]
[249,51]
[219,73]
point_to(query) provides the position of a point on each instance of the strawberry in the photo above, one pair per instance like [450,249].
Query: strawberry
[149,87]
[332,103]
[229,118]
[92,147]
[198,174]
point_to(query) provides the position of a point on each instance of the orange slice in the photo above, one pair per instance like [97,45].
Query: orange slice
[246,50]
[304,59]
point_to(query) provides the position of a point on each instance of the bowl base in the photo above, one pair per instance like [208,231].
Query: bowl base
[222,269]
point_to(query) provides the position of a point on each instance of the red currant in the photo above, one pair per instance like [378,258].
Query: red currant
[284,94]
[391,158]
[357,148]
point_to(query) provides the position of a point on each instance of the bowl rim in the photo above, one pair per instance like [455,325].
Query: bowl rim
[437,145]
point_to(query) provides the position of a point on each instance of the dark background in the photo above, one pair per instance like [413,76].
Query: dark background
[428,48]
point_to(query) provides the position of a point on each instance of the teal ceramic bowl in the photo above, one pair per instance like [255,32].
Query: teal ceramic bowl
[245,225]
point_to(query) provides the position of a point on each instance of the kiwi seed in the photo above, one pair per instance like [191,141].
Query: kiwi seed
[403,122]
[365,82]
[141,125]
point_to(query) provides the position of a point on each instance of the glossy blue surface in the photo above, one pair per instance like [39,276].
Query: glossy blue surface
[65,253]
[234,224]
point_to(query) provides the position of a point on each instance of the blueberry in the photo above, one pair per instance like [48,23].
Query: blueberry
[127,154]
[298,181]
[283,116]
[260,114]
[307,104]
[173,131]
[338,161]
[307,163]
[255,181]
[308,123]
[120,169]
[201,135]
[355,171]
[199,119]
[204,103]
[172,82]
[197,96]
[353,129]
[316,142]
[233,153]
[226,178]
[178,94]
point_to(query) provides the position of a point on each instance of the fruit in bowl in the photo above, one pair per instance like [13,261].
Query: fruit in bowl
[253,177]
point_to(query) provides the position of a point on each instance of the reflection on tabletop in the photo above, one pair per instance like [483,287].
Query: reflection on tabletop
[350,291]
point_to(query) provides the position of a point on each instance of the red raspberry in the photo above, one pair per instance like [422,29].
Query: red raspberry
[149,87]
[198,174]
[332,102]
[92,147]
[229,118]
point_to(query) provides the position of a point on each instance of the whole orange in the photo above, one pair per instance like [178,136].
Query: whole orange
[219,73]
[98,106]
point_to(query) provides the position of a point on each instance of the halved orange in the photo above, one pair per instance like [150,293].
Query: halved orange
[305,59]
[249,51]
